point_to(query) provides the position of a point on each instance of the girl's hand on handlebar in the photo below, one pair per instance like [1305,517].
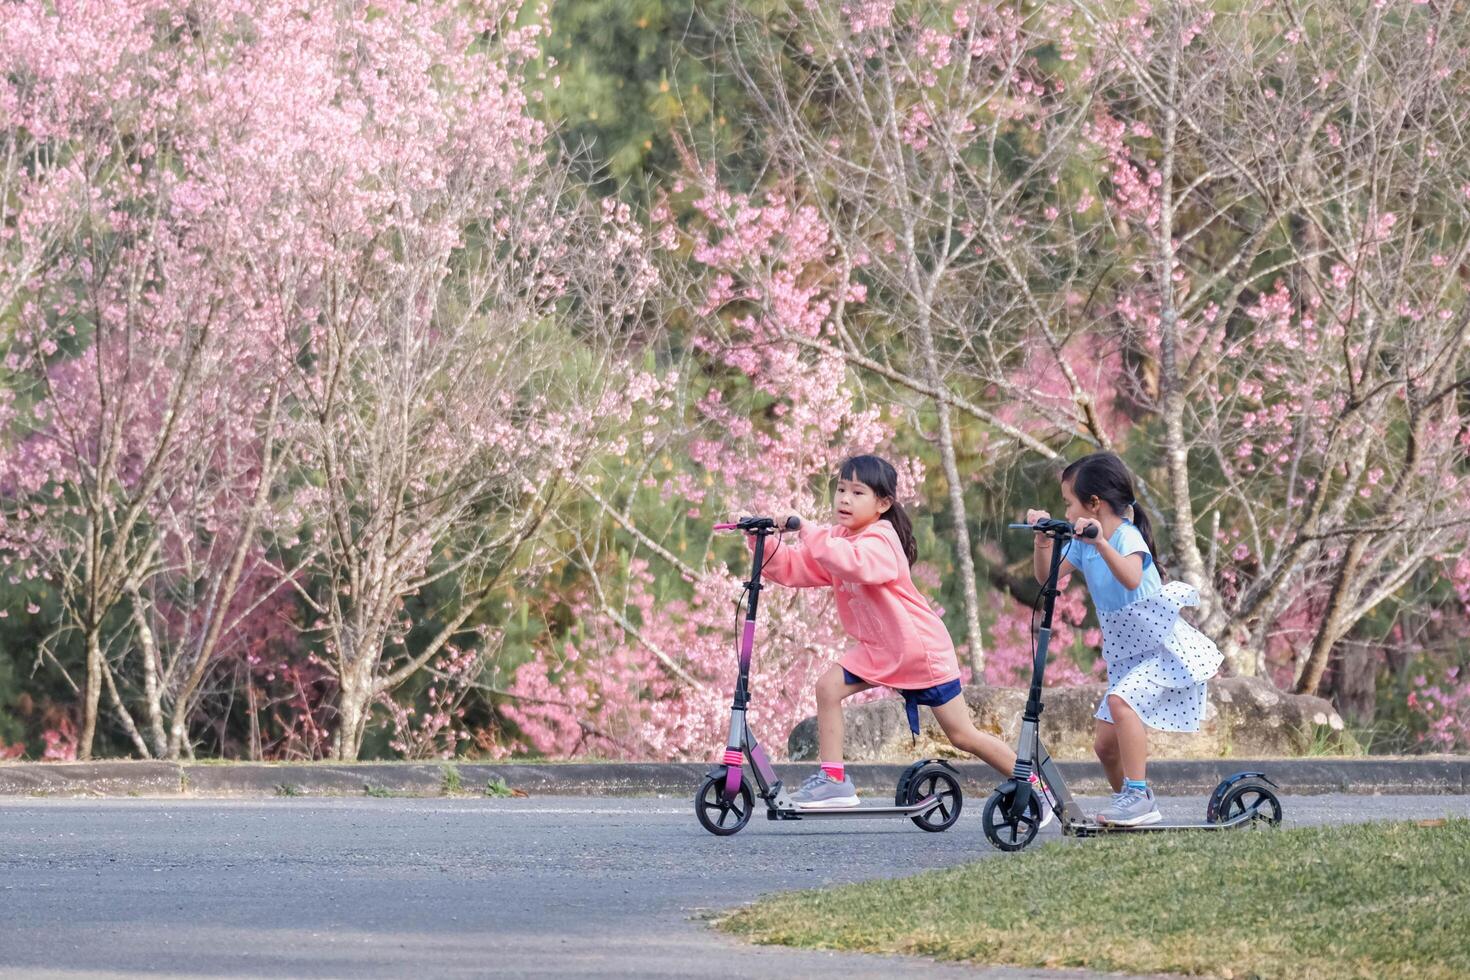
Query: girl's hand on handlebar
[783,520]
[1035,516]
[1081,525]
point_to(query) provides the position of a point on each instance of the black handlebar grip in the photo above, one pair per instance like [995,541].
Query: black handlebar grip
[793,523]
[1091,531]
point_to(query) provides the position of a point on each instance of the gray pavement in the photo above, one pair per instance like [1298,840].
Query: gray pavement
[546,886]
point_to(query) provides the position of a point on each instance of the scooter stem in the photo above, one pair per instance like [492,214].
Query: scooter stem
[1049,593]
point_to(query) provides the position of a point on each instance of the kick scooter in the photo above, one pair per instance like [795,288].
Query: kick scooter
[928,791]
[1012,815]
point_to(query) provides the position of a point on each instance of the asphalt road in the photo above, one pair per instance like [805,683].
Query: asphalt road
[363,887]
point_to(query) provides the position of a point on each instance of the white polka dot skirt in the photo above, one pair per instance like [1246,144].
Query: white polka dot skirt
[1157,662]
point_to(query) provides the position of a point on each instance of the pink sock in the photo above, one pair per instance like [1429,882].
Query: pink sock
[835,771]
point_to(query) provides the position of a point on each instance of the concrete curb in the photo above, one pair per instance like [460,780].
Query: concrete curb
[89,779]
[1170,777]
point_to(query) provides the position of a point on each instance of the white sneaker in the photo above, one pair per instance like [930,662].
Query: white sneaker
[1046,811]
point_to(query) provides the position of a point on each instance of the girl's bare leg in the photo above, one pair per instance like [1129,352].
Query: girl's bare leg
[1132,738]
[832,689]
[1105,744]
[954,717]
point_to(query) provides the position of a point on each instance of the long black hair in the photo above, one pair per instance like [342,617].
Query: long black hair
[1106,477]
[882,479]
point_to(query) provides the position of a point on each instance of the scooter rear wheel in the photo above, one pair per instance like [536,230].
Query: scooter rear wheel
[932,779]
[1252,796]
[720,816]
[1001,830]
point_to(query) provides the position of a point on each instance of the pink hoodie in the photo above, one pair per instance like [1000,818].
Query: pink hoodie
[900,641]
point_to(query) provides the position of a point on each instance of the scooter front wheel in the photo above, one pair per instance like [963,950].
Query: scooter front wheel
[1004,832]
[719,815]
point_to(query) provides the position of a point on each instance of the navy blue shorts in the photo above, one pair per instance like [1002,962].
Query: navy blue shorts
[931,697]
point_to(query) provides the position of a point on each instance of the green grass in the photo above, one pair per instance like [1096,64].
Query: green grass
[1377,900]
[451,784]
[1328,743]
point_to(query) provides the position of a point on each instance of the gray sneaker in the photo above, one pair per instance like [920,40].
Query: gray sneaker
[821,791]
[1131,808]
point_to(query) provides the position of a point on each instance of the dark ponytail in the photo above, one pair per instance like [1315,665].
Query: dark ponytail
[880,477]
[1140,521]
[1106,477]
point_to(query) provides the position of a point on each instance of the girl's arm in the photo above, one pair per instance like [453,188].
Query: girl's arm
[1127,569]
[868,558]
[790,566]
[1041,560]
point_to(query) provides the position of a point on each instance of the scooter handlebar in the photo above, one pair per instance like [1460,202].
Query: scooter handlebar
[1058,528]
[748,524]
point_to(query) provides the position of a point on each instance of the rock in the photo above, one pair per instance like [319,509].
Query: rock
[1244,716]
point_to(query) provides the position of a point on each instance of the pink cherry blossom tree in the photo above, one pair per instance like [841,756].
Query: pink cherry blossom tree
[1112,216]
[136,370]
[649,664]
[328,313]
[1290,192]
[453,310]
[937,143]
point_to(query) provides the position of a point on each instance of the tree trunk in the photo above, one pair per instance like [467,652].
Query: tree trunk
[964,557]
[1352,682]
[155,707]
[92,693]
[354,705]
[250,694]
[123,717]
[1172,389]
[151,690]
[1332,626]
[962,547]
[178,729]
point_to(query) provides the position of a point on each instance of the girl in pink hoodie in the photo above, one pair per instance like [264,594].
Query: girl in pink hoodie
[899,642]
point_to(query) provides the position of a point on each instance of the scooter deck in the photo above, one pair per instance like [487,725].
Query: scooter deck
[912,810]
[1093,829]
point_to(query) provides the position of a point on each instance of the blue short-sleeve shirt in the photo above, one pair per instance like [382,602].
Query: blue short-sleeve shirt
[1107,592]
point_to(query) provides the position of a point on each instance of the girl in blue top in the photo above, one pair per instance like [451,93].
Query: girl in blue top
[1157,663]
